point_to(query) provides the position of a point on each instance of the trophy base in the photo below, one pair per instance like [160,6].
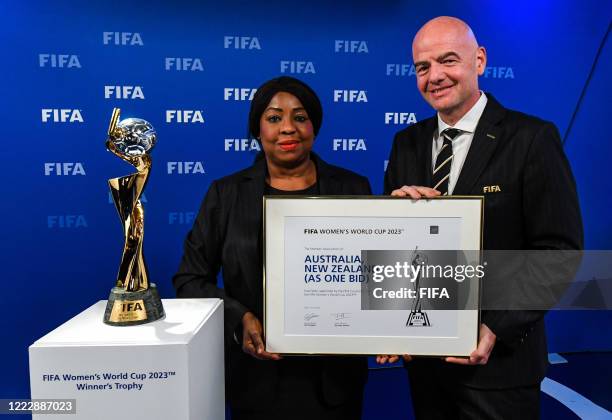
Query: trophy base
[133,308]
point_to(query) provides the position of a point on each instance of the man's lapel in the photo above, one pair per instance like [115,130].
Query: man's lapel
[485,140]
[424,151]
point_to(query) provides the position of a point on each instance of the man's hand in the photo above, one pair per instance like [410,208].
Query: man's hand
[480,356]
[381,359]
[415,192]
[252,338]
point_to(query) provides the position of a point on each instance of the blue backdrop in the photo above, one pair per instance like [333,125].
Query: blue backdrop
[189,68]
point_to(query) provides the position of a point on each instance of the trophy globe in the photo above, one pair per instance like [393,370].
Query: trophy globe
[136,137]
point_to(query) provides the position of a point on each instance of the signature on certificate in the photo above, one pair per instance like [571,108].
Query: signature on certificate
[309,316]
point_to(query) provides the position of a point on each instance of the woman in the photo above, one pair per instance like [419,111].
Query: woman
[285,117]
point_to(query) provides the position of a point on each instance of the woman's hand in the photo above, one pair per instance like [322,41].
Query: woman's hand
[252,338]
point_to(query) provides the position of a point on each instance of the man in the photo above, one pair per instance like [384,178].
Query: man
[474,146]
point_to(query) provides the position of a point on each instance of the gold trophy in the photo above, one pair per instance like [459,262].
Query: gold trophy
[133,300]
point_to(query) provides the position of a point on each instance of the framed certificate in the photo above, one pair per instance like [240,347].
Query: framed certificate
[372,275]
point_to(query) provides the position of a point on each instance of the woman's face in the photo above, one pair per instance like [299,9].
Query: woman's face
[286,131]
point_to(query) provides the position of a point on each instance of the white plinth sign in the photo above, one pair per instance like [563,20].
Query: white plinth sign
[168,369]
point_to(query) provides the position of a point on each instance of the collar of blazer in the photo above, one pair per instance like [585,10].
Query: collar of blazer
[250,201]
[484,143]
[325,175]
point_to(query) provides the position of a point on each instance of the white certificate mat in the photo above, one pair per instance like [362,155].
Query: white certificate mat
[313,279]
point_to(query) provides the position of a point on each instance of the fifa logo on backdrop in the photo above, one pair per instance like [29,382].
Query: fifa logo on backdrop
[184,116]
[185,168]
[350,96]
[123,92]
[400,118]
[62,115]
[498,73]
[64,168]
[183,64]
[242,145]
[401,70]
[349,144]
[66,221]
[122,38]
[241,42]
[181,218]
[351,47]
[59,60]
[297,67]
[238,94]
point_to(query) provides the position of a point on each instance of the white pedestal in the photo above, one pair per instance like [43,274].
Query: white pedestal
[168,369]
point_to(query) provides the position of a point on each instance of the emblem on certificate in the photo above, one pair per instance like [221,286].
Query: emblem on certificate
[133,300]
[418,317]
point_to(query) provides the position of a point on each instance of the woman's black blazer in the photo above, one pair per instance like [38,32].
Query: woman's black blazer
[227,236]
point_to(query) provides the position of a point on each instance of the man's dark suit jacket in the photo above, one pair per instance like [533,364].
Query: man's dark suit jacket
[536,208]
[227,235]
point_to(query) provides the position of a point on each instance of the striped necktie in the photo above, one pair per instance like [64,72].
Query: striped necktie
[444,159]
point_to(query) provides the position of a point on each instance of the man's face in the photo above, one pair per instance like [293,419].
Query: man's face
[448,62]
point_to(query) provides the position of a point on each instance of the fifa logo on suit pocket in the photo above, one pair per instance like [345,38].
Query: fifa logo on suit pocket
[491,189]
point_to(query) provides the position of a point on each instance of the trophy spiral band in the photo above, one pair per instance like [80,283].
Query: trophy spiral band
[133,300]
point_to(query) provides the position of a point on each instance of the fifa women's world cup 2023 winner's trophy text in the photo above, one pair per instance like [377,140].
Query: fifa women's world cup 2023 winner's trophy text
[133,300]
